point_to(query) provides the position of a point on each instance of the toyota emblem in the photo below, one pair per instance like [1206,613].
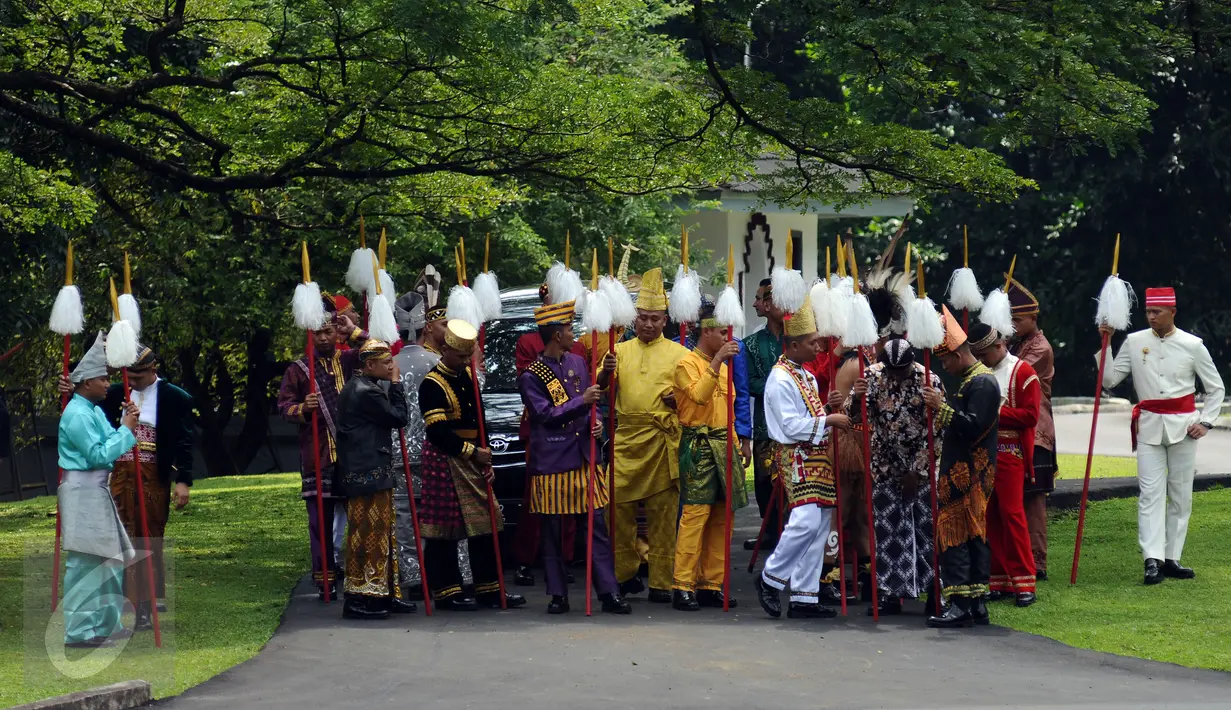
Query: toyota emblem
[499,445]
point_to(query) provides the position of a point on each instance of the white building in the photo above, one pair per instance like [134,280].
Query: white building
[758,232]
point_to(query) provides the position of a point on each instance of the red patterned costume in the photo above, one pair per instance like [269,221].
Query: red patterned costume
[1013,567]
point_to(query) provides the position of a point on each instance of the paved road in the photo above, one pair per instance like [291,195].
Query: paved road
[1073,437]
[660,658]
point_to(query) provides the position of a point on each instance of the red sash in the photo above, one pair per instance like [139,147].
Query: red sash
[1180,405]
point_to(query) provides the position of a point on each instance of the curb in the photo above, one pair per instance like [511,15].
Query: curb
[1068,492]
[129,694]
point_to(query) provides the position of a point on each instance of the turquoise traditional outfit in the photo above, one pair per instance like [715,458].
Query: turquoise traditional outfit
[96,545]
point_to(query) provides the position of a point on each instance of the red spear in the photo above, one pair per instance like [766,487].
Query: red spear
[145,525]
[65,319]
[833,377]
[414,521]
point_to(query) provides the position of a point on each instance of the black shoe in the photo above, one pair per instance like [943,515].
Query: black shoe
[121,635]
[614,604]
[750,544]
[523,577]
[1025,599]
[1040,575]
[830,595]
[570,579]
[713,598]
[660,596]
[768,596]
[888,606]
[458,603]
[1154,575]
[401,606]
[956,616]
[144,620]
[631,587]
[96,642]
[1173,569]
[413,593]
[684,601]
[491,600]
[557,605]
[996,596]
[799,610]
[359,608]
[978,611]
[934,607]
[162,608]
[767,545]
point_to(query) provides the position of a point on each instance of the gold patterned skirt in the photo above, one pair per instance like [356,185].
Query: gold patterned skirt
[565,493]
[371,546]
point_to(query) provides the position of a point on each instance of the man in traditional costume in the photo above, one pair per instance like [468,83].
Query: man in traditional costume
[557,393]
[901,481]
[97,547]
[456,475]
[526,540]
[701,399]
[414,362]
[368,409]
[1007,534]
[1165,363]
[968,422]
[296,402]
[647,443]
[763,348]
[1031,346]
[799,426]
[164,438]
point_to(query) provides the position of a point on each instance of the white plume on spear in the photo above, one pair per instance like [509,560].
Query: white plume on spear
[964,293]
[1116,299]
[997,312]
[787,286]
[684,302]
[382,277]
[861,328]
[729,311]
[67,313]
[487,288]
[121,346]
[306,304]
[127,302]
[463,304]
[597,315]
[381,323]
[923,328]
[359,274]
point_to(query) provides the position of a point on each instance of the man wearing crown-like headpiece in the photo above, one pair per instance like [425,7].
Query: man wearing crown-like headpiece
[647,443]
[1165,363]
[800,426]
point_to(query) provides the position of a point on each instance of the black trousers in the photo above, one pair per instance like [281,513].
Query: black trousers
[444,576]
[763,488]
[966,569]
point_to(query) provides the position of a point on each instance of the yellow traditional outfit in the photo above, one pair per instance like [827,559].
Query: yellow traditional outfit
[701,544]
[647,445]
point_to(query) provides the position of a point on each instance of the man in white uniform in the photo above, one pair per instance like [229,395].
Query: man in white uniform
[1164,362]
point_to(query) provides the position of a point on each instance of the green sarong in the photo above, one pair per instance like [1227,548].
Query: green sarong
[703,468]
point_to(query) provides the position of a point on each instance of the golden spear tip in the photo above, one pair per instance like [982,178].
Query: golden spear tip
[1115,260]
[594,272]
[376,275]
[128,275]
[1008,279]
[487,251]
[115,301]
[965,249]
[923,292]
[304,263]
[730,264]
[382,248]
[68,268]
[363,239]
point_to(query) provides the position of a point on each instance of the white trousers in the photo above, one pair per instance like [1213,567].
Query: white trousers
[800,553]
[1165,478]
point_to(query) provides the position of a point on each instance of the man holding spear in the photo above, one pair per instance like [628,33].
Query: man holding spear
[558,396]
[1165,363]
[456,476]
[701,396]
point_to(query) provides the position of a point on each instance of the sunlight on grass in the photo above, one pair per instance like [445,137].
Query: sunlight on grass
[239,548]
[1179,621]
[1073,466]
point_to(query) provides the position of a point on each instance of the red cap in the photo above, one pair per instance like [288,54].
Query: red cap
[1164,296]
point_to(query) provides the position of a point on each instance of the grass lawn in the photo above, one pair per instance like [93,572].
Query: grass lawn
[1073,466]
[1179,621]
[238,550]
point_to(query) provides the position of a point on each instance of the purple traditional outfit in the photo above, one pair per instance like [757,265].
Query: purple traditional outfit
[332,373]
[559,465]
